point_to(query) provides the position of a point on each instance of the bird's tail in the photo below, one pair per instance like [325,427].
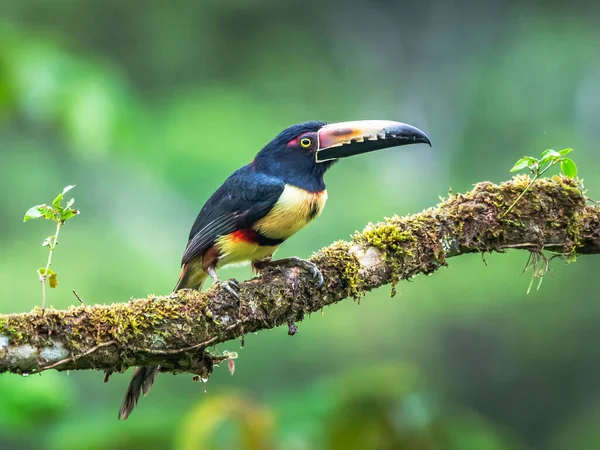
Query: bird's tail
[192,277]
[141,381]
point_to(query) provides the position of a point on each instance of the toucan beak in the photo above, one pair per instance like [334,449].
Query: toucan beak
[343,139]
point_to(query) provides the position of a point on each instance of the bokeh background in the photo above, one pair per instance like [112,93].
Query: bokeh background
[148,106]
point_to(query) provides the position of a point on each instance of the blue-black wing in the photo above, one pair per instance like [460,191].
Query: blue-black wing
[244,198]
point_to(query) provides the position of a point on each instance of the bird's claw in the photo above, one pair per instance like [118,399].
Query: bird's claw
[230,286]
[294,261]
[316,272]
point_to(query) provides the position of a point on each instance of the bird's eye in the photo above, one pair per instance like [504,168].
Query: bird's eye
[305,142]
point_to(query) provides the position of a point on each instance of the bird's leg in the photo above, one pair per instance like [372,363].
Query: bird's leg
[233,288]
[292,261]
[230,286]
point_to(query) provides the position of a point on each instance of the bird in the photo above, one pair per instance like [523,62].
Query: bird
[265,202]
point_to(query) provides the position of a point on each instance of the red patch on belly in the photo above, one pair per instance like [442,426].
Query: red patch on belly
[245,235]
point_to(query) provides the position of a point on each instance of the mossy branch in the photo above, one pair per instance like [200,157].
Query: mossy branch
[176,330]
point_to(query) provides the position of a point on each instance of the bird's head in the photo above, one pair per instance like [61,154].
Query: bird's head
[304,152]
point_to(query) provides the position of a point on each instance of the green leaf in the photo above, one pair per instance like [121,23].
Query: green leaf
[38,211]
[550,152]
[550,156]
[522,163]
[568,167]
[67,189]
[42,272]
[565,151]
[56,201]
[68,214]
[35,212]
[59,197]
[50,214]
[53,280]
[51,274]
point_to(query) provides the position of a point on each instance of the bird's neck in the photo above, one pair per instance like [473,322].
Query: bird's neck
[304,176]
[310,183]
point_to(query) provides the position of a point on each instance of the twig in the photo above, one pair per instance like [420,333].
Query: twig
[74,357]
[535,178]
[79,298]
[186,349]
[532,245]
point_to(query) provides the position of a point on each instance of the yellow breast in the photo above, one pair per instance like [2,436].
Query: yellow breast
[235,251]
[295,209]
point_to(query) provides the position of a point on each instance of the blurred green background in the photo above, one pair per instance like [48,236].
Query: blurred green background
[148,106]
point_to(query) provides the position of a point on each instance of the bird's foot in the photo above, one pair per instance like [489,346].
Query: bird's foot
[230,286]
[294,261]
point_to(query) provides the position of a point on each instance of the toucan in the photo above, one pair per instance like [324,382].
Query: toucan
[265,202]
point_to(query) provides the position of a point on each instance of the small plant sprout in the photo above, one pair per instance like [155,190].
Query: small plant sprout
[539,166]
[539,263]
[59,214]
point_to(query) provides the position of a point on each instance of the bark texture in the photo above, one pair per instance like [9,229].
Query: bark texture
[176,330]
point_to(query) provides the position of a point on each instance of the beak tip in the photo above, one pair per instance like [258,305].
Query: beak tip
[422,139]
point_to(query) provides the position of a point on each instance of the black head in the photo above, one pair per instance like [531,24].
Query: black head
[291,156]
[301,154]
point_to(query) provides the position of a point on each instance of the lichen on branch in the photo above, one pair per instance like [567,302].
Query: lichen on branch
[176,330]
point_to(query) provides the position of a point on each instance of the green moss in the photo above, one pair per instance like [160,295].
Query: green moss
[338,257]
[575,227]
[388,237]
[402,240]
[4,329]
[13,330]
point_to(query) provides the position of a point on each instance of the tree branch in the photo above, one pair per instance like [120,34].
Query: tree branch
[175,330]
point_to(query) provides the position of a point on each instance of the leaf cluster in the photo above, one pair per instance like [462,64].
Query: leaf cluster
[55,212]
[548,159]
